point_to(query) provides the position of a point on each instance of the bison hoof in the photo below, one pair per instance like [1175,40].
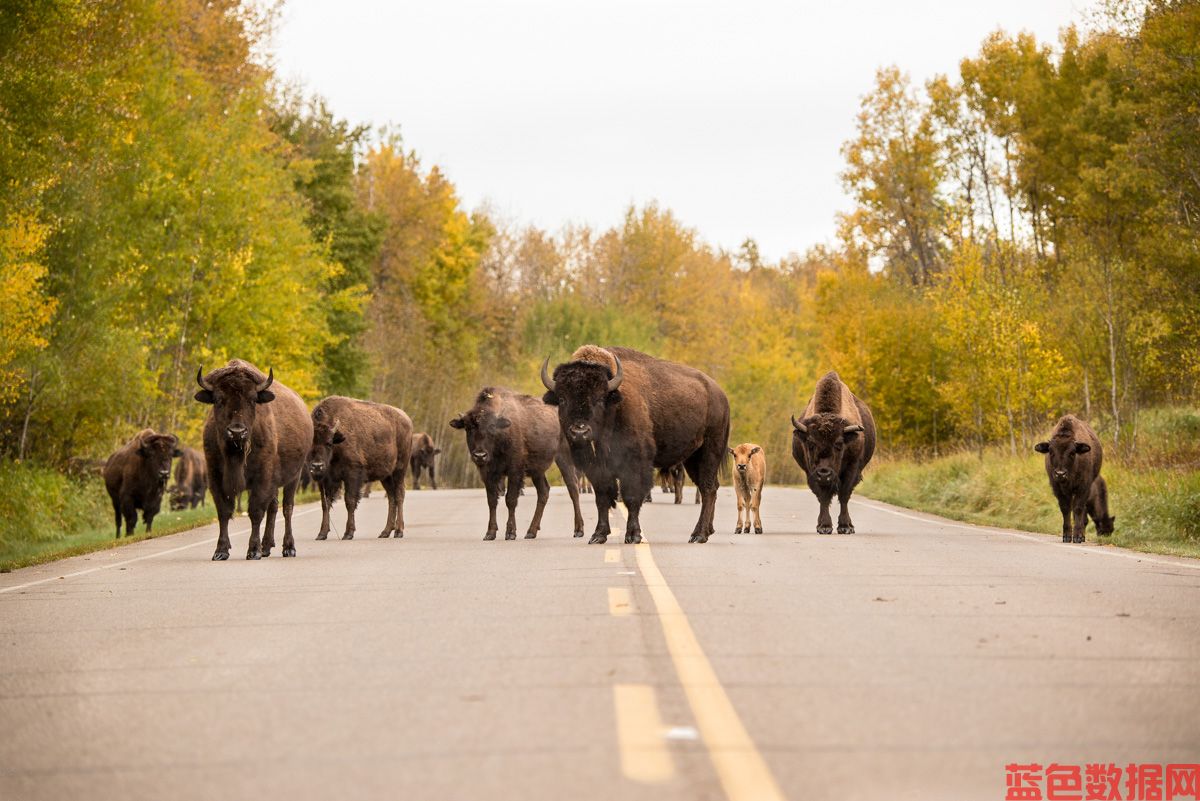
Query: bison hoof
[579,532]
[825,529]
[845,529]
[491,535]
[323,535]
[532,535]
[387,532]
[737,530]
[397,533]
[699,538]
[598,539]
[265,552]
[1066,537]
[253,555]
[288,552]
[220,556]
[758,529]
[349,535]
[633,539]
[510,535]
[1079,538]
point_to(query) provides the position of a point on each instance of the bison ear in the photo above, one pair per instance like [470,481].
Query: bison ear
[457,422]
[731,453]
[175,454]
[1042,447]
[612,398]
[264,396]
[1082,447]
[755,450]
[503,422]
[550,398]
[338,437]
[204,396]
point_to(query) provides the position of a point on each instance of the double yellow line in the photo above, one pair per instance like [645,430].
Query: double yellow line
[741,769]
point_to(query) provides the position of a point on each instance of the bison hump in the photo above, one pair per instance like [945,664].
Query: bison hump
[594,354]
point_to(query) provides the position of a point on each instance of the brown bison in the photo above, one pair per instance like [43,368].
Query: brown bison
[256,436]
[191,481]
[355,442]
[136,475]
[625,414]
[671,480]
[510,436]
[749,476]
[422,459]
[832,443]
[1073,461]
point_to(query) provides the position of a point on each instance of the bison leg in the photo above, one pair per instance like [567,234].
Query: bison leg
[1079,508]
[738,493]
[416,474]
[224,512]
[756,503]
[605,490]
[289,503]
[516,484]
[268,541]
[432,477]
[571,479]
[326,503]
[116,505]
[352,491]
[703,466]
[633,495]
[543,494]
[398,523]
[493,497]
[845,524]
[824,521]
[1064,506]
[678,488]
[257,507]
[130,512]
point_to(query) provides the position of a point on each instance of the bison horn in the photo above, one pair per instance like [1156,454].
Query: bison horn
[269,381]
[200,379]
[852,429]
[615,381]
[546,382]
[798,425]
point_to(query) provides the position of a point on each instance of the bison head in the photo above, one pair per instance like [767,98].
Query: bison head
[585,393]
[157,451]
[741,457]
[486,432]
[325,436]
[235,395]
[823,438]
[1060,455]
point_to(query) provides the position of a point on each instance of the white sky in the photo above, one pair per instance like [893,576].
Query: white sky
[553,111]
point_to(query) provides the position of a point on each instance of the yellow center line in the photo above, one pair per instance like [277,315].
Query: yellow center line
[743,772]
[620,603]
[644,753]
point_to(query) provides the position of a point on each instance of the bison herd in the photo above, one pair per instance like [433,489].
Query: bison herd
[609,419]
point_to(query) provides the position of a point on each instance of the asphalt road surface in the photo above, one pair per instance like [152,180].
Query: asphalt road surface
[912,660]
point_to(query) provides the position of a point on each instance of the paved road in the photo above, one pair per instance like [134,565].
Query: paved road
[912,660]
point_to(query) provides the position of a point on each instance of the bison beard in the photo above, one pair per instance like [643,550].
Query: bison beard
[832,445]
[256,436]
[624,414]
[510,436]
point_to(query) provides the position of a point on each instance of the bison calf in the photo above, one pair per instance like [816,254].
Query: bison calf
[191,481]
[510,436]
[355,442]
[136,475]
[832,444]
[749,475]
[1073,461]
[423,459]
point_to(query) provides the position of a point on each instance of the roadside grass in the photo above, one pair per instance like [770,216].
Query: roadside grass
[46,515]
[1154,493]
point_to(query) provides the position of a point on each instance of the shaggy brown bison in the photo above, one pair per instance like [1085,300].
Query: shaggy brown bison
[510,436]
[423,459]
[749,476]
[624,414]
[671,479]
[832,443]
[136,475]
[1073,461]
[355,442]
[191,481]
[256,436]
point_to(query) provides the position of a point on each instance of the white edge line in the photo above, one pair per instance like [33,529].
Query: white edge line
[1042,539]
[136,558]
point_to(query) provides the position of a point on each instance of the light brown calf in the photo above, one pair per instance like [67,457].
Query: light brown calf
[749,475]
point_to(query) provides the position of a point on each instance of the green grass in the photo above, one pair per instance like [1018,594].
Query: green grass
[1157,507]
[45,515]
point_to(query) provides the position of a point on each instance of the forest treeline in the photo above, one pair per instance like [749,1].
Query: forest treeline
[1023,242]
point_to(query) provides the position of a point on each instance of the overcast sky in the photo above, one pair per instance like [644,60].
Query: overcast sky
[730,113]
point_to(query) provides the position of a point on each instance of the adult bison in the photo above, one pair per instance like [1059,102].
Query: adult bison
[256,436]
[832,443]
[624,414]
[510,436]
[355,442]
[191,481]
[423,459]
[136,475]
[1073,461]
